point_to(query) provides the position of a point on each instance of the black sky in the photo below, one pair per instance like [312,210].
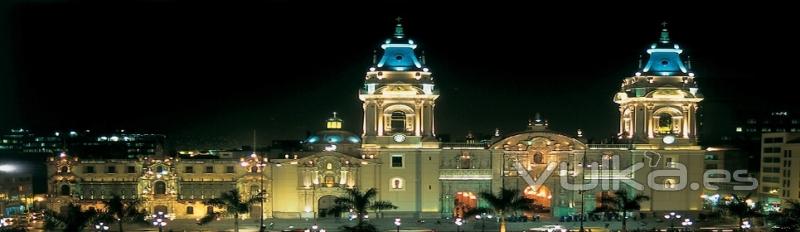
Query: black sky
[217,69]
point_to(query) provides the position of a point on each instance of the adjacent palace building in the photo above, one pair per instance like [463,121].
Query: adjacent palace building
[398,154]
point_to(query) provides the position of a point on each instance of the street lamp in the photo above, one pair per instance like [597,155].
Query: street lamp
[459,222]
[672,216]
[397,223]
[160,221]
[7,168]
[686,224]
[745,225]
[101,227]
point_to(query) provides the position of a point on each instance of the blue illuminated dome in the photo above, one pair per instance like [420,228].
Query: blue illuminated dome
[664,58]
[398,53]
[333,134]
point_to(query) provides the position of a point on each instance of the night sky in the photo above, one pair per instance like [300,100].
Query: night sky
[219,70]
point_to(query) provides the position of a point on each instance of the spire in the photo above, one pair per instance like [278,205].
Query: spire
[398,30]
[664,33]
[496,132]
[374,57]
[422,58]
[538,118]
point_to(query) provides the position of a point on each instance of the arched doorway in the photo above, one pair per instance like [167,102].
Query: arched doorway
[160,208]
[463,202]
[325,204]
[542,200]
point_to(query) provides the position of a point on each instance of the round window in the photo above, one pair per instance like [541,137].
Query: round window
[398,57]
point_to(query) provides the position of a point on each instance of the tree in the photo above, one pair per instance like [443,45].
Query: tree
[124,211]
[359,202]
[233,205]
[739,207]
[788,219]
[621,202]
[506,201]
[70,219]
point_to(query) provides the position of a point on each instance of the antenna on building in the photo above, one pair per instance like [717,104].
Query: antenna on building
[640,62]
[689,62]
[422,58]
[374,57]
[254,141]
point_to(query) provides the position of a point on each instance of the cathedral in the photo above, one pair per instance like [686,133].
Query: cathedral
[398,154]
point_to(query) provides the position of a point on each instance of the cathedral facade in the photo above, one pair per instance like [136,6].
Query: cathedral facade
[398,154]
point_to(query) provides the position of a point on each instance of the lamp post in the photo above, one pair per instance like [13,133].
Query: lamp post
[459,222]
[160,221]
[672,216]
[397,223]
[483,221]
[263,193]
[101,227]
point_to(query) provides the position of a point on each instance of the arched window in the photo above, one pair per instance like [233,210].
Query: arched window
[254,190]
[330,181]
[254,169]
[64,169]
[398,121]
[65,190]
[209,209]
[161,187]
[665,123]
[159,169]
[189,210]
[538,158]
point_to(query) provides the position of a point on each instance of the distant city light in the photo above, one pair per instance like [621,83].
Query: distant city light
[7,168]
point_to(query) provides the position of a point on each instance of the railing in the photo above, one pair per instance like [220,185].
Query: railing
[607,174]
[465,174]
[610,146]
[464,145]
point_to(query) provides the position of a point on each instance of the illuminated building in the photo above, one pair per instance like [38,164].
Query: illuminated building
[86,143]
[778,166]
[398,154]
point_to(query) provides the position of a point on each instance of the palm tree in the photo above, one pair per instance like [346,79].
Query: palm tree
[739,207]
[124,211]
[71,218]
[621,202]
[359,202]
[788,219]
[233,204]
[506,201]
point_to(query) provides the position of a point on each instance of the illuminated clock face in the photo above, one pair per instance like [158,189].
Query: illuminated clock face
[669,139]
[399,138]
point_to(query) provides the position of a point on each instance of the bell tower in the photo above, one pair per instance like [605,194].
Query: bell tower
[658,105]
[398,95]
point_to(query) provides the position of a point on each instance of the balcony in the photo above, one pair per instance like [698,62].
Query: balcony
[465,174]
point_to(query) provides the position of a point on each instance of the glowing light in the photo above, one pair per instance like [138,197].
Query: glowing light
[425,69]
[245,164]
[7,168]
[114,138]
[638,74]
[372,69]
[691,74]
